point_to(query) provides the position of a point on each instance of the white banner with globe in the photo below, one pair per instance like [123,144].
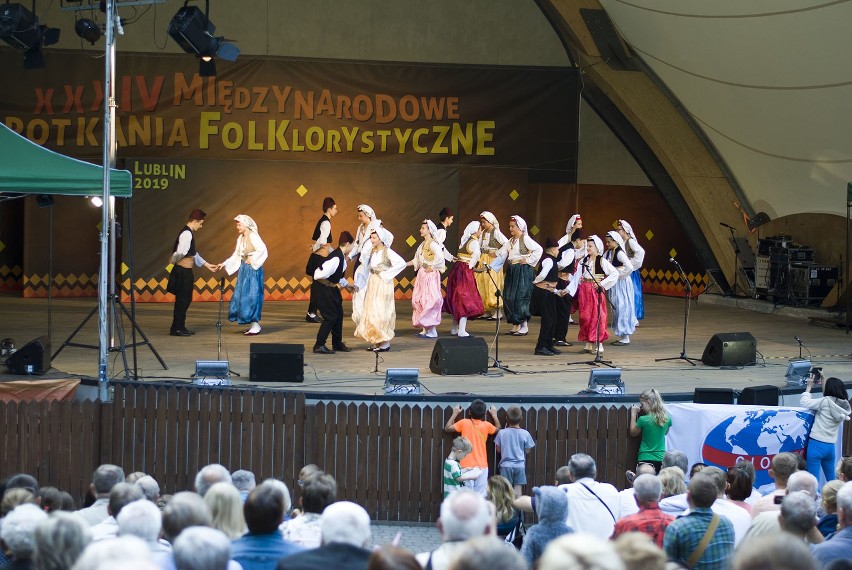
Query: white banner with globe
[719,435]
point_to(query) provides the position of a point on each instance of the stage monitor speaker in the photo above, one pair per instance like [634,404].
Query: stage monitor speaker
[713,396]
[32,358]
[468,355]
[765,395]
[730,349]
[273,362]
[402,381]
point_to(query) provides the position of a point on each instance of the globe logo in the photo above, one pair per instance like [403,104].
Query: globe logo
[756,436]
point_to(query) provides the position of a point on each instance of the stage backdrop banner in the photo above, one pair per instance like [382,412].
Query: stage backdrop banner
[286,109]
[720,435]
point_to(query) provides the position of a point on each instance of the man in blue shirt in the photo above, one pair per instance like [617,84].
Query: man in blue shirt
[839,546]
[263,546]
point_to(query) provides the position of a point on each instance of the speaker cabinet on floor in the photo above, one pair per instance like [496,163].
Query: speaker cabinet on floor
[468,355]
[713,396]
[273,362]
[32,358]
[730,349]
[766,395]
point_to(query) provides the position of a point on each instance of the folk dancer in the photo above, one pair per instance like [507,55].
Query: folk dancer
[329,279]
[445,220]
[321,237]
[360,252]
[248,258]
[593,276]
[567,255]
[463,301]
[621,294]
[181,278]
[426,300]
[545,298]
[636,253]
[378,317]
[490,242]
[522,253]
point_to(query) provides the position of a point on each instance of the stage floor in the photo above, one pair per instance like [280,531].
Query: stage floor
[658,336]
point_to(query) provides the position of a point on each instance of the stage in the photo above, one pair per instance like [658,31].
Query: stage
[658,336]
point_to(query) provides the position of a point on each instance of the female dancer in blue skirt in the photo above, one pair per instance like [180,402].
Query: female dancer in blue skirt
[247,261]
[637,256]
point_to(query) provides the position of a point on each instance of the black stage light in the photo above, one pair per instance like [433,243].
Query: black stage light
[194,33]
[44,200]
[88,30]
[20,29]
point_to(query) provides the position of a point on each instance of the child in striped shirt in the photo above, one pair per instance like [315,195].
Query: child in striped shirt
[454,476]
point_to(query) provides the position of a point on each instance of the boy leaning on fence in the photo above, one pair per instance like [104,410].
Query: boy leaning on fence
[513,443]
[454,475]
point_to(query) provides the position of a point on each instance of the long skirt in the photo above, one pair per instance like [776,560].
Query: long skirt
[517,292]
[486,287]
[463,299]
[378,317]
[426,301]
[638,301]
[247,301]
[621,296]
[592,322]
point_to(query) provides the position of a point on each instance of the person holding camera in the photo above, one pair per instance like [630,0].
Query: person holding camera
[830,412]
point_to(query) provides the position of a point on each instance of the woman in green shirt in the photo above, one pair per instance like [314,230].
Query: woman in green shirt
[652,425]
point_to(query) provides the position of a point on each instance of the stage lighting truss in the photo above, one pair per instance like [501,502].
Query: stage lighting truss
[606,381]
[20,29]
[195,34]
[797,372]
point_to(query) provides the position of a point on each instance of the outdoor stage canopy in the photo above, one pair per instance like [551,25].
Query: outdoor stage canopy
[29,168]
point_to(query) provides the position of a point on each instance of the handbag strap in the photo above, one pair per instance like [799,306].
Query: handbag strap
[601,500]
[705,541]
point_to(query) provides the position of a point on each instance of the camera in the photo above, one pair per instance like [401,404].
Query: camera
[779,499]
[816,371]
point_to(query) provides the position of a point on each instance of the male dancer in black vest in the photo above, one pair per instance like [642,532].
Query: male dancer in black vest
[321,237]
[544,286]
[181,279]
[328,279]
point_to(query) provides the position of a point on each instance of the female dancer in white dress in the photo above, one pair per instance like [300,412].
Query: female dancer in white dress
[361,254]
[378,317]
[636,253]
[428,262]
[248,258]
[489,244]
[621,294]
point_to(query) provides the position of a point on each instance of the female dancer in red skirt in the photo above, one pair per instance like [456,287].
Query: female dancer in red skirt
[463,300]
[593,276]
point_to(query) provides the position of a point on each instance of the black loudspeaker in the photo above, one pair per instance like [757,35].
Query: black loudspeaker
[32,358]
[468,355]
[713,396]
[766,395]
[730,349]
[273,362]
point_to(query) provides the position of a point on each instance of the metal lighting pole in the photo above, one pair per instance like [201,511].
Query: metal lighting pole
[107,210]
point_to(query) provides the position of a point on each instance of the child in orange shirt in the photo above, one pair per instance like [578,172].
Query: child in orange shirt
[476,429]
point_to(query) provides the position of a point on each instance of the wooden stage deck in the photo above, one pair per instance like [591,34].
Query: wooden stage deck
[658,336]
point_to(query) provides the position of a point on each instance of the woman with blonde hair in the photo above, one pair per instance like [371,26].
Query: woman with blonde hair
[653,425]
[247,261]
[500,492]
[226,506]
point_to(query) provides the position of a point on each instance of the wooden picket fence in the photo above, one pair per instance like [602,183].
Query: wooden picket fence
[386,456]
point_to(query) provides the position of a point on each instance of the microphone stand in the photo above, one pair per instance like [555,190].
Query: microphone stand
[497,293]
[687,296]
[599,292]
[219,326]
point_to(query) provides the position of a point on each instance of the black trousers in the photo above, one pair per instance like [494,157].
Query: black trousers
[330,304]
[312,303]
[181,284]
[546,302]
[563,314]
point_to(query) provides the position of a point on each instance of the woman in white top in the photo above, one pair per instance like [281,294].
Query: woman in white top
[593,276]
[360,252]
[378,318]
[426,300]
[636,253]
[621,295]
[490,242]
[247,259]
[830,412]
[463,301]
[523,253]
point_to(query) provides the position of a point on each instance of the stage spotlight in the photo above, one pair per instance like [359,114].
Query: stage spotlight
[193,31]
[402,381]
[212,373]
[88,30]
[606,381]
[96,201]
[20,29]
[797,372]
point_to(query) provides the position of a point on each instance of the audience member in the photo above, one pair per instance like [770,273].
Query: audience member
[513,444]
[501,494]
[674,490]
[580,551]
[551,508]
[626,502]
[184,510]
[68,503]
[593,505]
[263,545]
[305,530]
[774,552]
[843,471]
[226,508]
[830,412]
[143,520]
[15,497]
[840,544]
[135,476]
[748,467]
[696,468]
[454,476]
[150,488]
[464,515]
[18,533]
[22,481]
[305,473]
[488,552]
[59,541]
[767,522]
[122,494]
[345,536]
[209,476]
[112,554]
[684,540]
[739,488]
[652,424]
[649,519]
[675,458]
[783,465]
[798,514]
[202,548]
[723,507]
[638,552]
[49,499]
[476,429]
[827,524]
[392,558]
[104,479]
[244,481]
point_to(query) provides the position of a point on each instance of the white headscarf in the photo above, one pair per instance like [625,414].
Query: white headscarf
[520,222]
[598,244]
[247,222]
[571,221]
[491,218]
[368,211]
[616,237]
[627,228]
[384,236]
[469,230]
[433,229]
